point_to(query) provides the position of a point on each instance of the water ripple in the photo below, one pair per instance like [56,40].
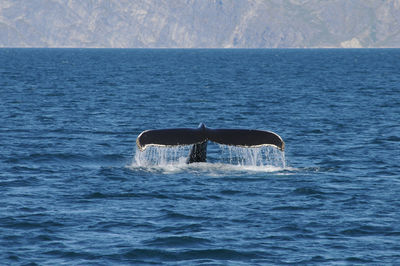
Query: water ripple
[75,191]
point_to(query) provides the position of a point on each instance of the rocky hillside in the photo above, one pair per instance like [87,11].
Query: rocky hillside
[200,23]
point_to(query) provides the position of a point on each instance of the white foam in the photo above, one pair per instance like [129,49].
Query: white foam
[225,159]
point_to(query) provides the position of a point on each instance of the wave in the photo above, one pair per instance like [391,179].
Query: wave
[191,255]
[178,241]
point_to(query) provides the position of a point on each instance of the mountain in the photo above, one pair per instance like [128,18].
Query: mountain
[200,23]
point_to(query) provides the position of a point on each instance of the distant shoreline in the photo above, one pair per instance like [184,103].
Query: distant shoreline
[205,48]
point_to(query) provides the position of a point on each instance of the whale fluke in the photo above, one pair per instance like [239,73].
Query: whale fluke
[245,138]
[169,137]
[199,137]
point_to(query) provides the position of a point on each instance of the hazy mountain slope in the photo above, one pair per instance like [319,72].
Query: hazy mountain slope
[200,23]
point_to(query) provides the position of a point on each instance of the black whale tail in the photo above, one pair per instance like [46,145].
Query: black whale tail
[199,137]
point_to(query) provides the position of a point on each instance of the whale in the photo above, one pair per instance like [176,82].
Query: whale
[199,137]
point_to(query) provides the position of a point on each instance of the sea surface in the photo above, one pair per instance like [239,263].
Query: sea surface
[75,190]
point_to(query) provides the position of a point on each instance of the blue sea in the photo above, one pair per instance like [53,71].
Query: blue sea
[75,190]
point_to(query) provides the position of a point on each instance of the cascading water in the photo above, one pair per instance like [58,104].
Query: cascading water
[260,156]
[161,156]
[265,156]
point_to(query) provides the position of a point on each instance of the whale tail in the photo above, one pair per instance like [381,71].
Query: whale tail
[199,137]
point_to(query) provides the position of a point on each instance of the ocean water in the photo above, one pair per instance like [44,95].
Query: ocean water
[74,190]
